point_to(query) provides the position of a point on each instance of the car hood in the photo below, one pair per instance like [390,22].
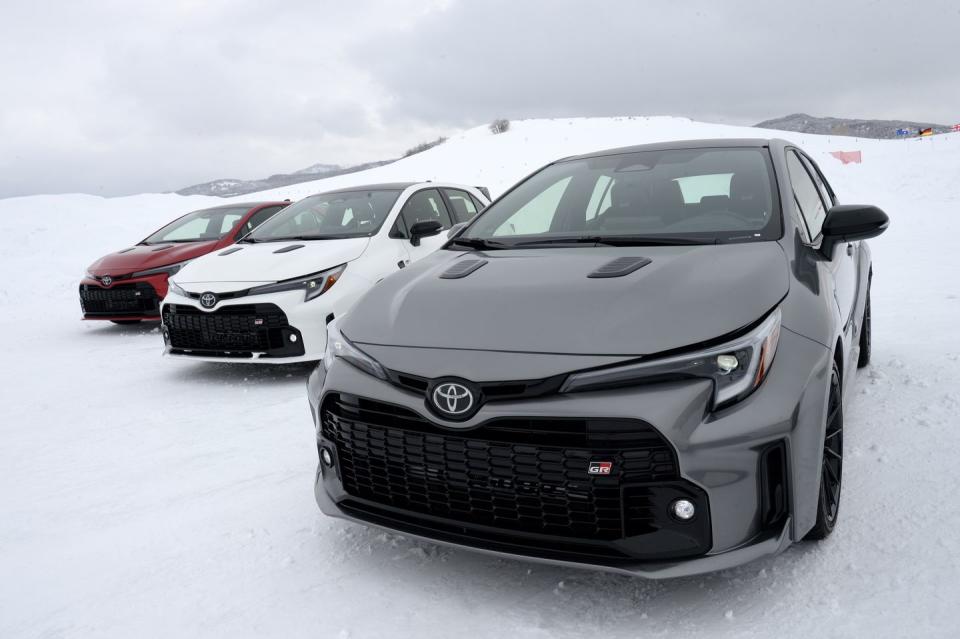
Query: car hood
[271,261]
[541,301]
[142,257]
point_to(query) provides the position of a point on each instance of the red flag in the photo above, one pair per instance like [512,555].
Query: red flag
[956,127]
[848,156]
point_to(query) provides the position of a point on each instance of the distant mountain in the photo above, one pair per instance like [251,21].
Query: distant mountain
[229,187]
[877,129]
[319,168]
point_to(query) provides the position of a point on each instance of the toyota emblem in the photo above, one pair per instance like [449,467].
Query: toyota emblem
[208,300]
[450,398]
[106,280]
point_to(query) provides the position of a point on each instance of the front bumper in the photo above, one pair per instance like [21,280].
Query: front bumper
[276,328]
[753,502]
[125,299]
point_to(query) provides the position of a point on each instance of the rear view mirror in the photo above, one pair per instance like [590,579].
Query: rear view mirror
[427,228]
[851,222]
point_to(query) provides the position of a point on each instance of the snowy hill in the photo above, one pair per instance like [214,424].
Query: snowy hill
[879,129]
[141,497]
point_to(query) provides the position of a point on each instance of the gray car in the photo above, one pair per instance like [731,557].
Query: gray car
[634,360]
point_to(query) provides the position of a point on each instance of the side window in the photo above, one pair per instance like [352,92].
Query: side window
[477,203]
[463,207]
[818,180]
[259,218]
[424,206]
[806,195]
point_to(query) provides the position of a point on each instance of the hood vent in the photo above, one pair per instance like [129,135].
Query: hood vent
[163,248]
[232,249]
[287,249]
[462,269]
[620,267]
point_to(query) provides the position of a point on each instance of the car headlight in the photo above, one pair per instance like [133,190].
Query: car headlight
[171,269]
[174,288]
[339,347]
[313,285]
[737,368]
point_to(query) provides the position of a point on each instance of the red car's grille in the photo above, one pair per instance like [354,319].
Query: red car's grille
[119,300]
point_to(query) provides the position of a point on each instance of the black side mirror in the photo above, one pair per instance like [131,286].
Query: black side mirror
[455,229]
[851,222]
[427,228]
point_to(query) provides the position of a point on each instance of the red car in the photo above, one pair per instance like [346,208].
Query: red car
[127,286]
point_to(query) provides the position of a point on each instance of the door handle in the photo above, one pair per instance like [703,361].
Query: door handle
[849,249]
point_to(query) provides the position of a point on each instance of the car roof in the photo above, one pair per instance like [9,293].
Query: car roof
[385,186]
[680,144]
[248,205]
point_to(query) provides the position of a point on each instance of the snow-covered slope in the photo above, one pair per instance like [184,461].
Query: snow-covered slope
[141,497]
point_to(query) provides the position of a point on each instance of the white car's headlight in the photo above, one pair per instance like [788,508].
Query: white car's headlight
[339,347]
[170,269]
[737,368]
[174,288]
[313,285]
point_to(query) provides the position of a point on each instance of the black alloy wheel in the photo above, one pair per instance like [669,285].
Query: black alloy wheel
[831,466]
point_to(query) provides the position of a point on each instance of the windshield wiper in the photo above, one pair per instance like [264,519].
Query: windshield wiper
[583,239]
[621,240]
[655,240]
[477,243]
[290,238]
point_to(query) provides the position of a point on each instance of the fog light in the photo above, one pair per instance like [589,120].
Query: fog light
[293,338]
[326,457]
[727,363]
[683,509]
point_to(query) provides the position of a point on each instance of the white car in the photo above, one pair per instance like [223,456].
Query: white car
[268,298]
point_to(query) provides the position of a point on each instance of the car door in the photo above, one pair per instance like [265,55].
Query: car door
[814,200]
[423,205]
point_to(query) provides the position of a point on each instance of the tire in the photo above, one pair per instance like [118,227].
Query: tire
[865,335]
[831,464]
[125,322]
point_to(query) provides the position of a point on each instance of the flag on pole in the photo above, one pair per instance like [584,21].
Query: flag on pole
[925,132]
[956,127]
[906,131]
[848,156]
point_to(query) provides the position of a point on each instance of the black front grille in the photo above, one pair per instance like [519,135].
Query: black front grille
[119,300]
[231,330]
[526,475]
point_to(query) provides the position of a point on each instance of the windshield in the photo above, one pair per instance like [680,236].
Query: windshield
[329,216]
[682,196]
[200,226]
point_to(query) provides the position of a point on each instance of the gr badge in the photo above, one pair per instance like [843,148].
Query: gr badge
[599,468]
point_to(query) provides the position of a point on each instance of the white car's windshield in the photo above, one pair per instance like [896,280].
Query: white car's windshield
[329,216]
[695,196]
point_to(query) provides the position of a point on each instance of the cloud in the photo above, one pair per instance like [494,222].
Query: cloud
[116,97]
[736,60]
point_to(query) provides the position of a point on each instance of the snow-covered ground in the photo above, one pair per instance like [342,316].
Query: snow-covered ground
[142,497]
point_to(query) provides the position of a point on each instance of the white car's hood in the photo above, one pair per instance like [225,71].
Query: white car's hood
[271,261]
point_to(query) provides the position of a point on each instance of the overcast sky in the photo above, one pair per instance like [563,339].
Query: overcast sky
[114,97]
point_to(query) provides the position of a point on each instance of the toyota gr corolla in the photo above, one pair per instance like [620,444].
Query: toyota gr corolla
[268,298]
[127,286]
[635,359]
